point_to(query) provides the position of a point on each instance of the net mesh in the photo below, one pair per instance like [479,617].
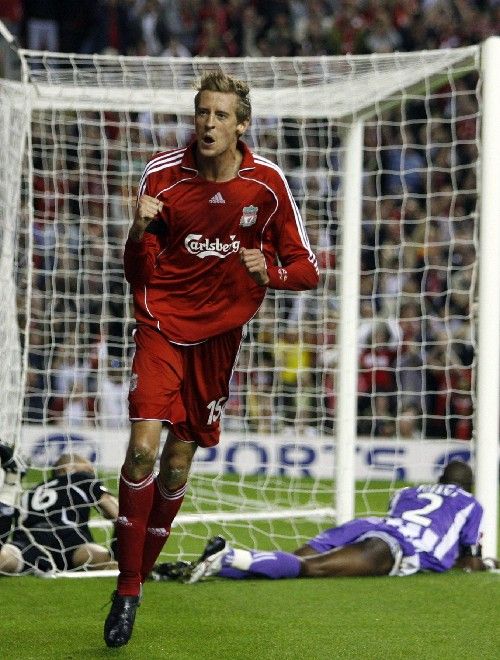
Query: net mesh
[95,122]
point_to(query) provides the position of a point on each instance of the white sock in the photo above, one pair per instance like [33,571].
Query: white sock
[242,559]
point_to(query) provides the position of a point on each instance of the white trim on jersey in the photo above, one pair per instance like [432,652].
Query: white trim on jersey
[176,183]
[261,183]
[146,302]
[180,343]
[80,492]
[154,419]
[298,218]
[160,162]
[165,166]
[163,157]
[453,533]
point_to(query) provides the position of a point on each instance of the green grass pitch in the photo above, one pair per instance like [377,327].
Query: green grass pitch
[424,616]
[428,616]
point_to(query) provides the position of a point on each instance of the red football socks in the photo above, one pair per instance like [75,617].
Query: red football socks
[166,504]
[135,502]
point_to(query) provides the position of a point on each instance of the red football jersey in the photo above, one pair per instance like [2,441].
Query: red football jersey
[186,274]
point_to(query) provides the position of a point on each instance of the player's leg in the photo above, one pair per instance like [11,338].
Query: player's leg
[92,556]
[135,499]
[136,492]
[363,546]
[219,558]
[169,490]
[205,388]
[34,546]
[371,556]
[153,397]
[305,551]
[369,559]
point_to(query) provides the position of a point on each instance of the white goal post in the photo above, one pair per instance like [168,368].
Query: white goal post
[392,160]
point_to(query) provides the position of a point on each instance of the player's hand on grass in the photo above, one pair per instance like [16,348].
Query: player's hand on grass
[147,210]
[255,264]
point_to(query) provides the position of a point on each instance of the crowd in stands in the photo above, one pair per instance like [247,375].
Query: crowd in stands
[416,337]
[241,28]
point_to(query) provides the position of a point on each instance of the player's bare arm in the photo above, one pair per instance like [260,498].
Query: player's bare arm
[147,209]
[108,506]
[255,264]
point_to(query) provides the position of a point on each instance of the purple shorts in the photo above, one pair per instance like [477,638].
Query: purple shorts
[406,558]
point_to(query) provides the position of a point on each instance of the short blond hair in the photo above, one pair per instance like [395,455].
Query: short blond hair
[218,81]
[69,462]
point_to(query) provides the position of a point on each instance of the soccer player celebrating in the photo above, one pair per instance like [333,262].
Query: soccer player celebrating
[215,226]
[427,528]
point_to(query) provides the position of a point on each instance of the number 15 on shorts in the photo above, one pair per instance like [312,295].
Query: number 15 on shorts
[215,407]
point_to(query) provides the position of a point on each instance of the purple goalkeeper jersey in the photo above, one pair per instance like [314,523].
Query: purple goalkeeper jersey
[429,524]
[437,520]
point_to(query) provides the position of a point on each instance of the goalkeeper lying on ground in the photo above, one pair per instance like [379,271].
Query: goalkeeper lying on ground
[427,528]
[48,528]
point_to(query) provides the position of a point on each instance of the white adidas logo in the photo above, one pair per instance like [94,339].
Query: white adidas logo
[217,199]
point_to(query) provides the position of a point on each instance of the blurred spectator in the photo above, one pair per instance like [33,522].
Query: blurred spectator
[260,400]
[11,14]
[211,42]
[408,423]
[259,28]
[348,29]
[181,19]
[376,376]
[280,35]
[172,47]
[70,385]
[150,16]
[247,28]
[112,396]
[382,37]
[41,19]
[295,362]
[314,40]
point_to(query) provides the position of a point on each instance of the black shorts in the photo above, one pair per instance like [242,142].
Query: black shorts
[42,549]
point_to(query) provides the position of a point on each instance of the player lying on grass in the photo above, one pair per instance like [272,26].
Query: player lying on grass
[427,528]
[49,529]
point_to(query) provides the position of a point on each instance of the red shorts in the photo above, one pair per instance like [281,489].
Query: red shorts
[185,386]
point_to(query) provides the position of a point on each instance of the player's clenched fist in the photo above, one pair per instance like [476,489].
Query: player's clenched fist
[147,209]
[255,263]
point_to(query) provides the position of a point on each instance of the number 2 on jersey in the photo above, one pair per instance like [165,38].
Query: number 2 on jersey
[418,516]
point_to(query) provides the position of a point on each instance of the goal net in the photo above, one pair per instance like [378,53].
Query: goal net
[341,394]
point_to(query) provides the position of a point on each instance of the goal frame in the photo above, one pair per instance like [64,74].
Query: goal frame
[487,412]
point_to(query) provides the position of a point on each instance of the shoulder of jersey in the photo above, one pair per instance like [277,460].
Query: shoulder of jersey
[267,169]
[164,160]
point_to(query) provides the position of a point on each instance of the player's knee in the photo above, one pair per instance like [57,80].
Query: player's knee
[174,473]
[140,458]
[378,555]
